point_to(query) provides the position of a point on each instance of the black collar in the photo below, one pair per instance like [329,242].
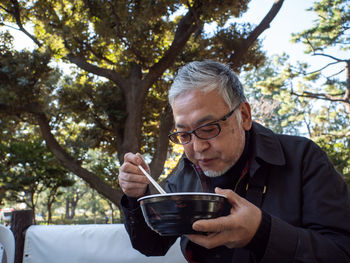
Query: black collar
[266,145]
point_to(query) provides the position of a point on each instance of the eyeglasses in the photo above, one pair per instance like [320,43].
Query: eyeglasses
[205,132]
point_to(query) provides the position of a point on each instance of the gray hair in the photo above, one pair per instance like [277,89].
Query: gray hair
[206,76]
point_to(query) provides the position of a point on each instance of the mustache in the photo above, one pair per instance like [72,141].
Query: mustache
[199,158]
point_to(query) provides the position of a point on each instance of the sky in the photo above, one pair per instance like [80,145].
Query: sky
[292,18]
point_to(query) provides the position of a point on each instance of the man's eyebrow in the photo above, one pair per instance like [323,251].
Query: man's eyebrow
[179,126]
[199,122]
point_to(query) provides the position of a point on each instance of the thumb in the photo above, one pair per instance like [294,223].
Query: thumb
[142,162]
[231,196]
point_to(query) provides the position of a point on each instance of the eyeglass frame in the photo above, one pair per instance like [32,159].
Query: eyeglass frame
[204,125]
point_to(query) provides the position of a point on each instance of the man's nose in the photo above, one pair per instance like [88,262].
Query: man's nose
[199,145]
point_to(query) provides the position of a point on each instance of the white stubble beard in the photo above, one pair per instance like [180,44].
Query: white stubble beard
[213,174]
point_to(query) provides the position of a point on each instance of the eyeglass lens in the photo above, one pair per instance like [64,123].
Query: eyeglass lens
[206,132]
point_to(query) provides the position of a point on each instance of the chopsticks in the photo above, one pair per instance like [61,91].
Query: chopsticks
[155,184]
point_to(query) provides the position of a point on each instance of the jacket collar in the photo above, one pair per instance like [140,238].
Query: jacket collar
[266,145]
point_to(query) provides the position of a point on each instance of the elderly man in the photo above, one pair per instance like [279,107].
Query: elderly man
[288,202]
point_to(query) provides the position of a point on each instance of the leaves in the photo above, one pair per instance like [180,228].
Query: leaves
[115,100]
[331,27]
[28,167]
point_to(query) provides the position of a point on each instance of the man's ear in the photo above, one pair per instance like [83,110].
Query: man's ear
[246,115]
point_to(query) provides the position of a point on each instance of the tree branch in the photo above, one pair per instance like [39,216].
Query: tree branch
[107,73]
[245,44]
[324,67]
[17,15]
[119,34]
[61,155]
[89,47]
[186,26]
[320,96]
[6,10]
[11,110]
[335,74]
[72,165]
[159,157]
[17,110]
[329,56]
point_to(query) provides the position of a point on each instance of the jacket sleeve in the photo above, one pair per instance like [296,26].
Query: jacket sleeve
[324,231]
[143,238]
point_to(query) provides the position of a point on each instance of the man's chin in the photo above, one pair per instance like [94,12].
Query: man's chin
[210,173]
[221,169]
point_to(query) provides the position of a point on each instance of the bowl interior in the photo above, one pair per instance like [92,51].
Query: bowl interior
[173,214]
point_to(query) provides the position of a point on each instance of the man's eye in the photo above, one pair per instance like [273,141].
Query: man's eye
[183,135]
[208,129]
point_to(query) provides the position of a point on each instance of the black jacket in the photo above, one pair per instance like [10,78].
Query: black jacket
[306,197]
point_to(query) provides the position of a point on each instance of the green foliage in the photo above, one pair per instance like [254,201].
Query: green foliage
[118,33]
[272,103]
[325,123]
[88,112]
[301,95]
[331,131]
[106,167]
[331,27]
[328,124]
[25,77]
[27,168]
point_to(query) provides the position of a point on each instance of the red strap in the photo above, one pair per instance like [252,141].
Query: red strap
[203,179]
[244,171]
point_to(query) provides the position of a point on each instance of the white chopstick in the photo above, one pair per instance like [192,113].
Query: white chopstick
[155,184]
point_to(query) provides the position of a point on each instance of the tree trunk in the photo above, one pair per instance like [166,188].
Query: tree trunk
[33,206]
[347,91]
[72,165]
[74,205]
[20,221]
[112,211]
[49,212]
[159,158]
[67,208]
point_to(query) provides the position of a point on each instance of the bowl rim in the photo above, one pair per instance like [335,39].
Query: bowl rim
[180,193]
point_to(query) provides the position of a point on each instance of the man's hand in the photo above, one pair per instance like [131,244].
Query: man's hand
[235,230]
[132,181]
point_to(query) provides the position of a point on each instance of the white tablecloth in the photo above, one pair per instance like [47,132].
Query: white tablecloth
[87,244]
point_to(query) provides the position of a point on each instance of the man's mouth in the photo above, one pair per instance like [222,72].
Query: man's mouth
[205,162]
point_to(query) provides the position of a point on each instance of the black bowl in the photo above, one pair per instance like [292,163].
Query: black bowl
[173,214]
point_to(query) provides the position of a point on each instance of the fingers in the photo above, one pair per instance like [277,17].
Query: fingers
[131,163]
[131,179]
[212,225]
[208,241]
[233,230]
[135,159]
[131,173]
[233,198]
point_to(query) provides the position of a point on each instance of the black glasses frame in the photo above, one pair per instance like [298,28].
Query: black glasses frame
[173,136]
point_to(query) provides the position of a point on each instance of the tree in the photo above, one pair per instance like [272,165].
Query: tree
[331,29]
[72,196]
[271,102]
[27,169]
[328,122]
[299,91]
[126,53]
[275,106]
